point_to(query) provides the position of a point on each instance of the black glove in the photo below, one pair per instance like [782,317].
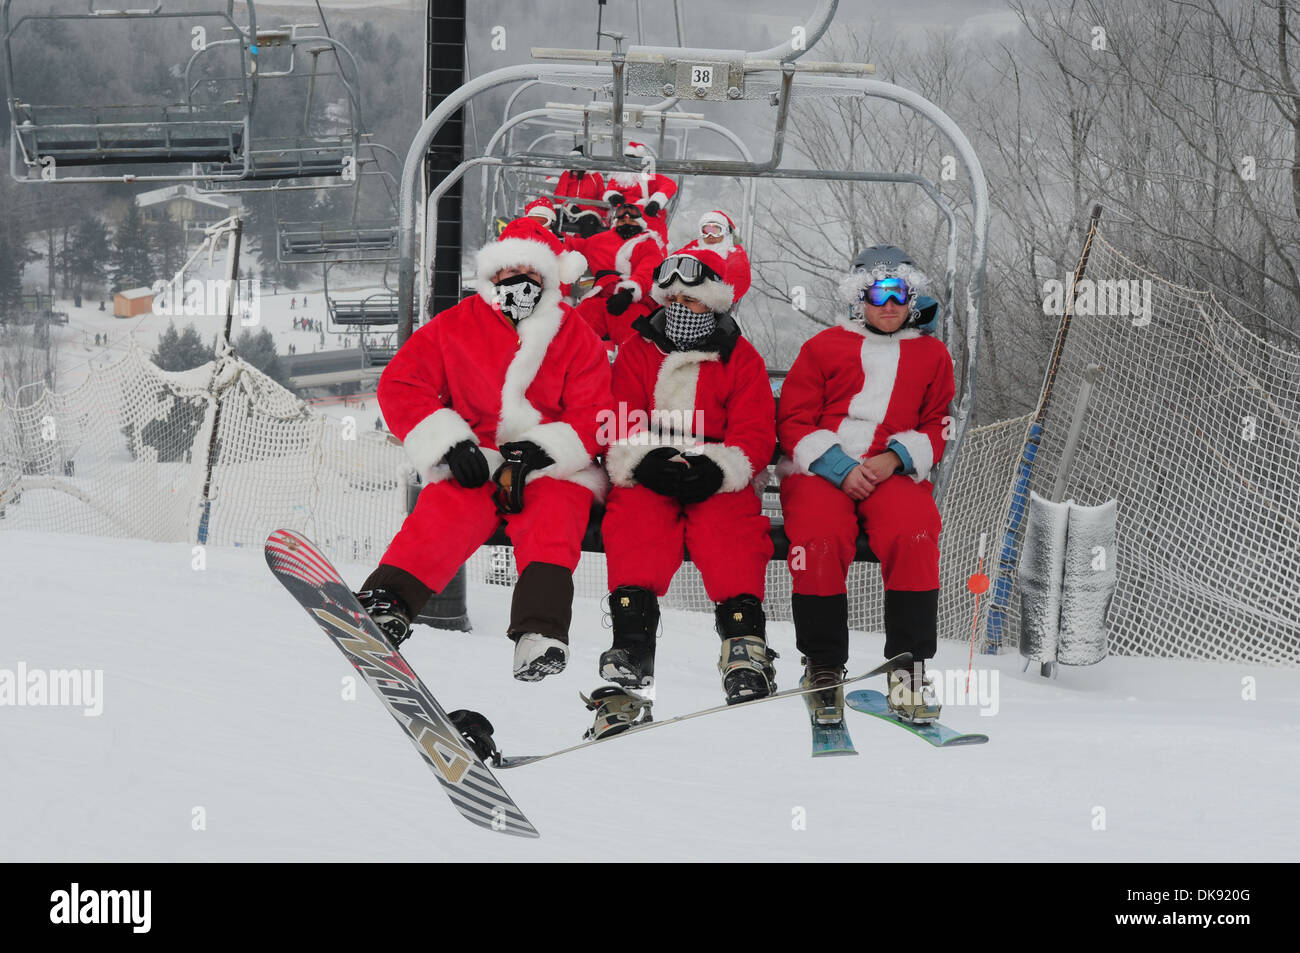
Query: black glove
[619,301]
[615,199]
[701,481]
[518,459]
[656,472]
[652,208]
[468,465]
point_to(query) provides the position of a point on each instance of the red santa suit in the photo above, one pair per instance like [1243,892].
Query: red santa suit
[738,273]
[715,400]
[864,391]
[642,188]
[470,374]
[618,264]
[581,185]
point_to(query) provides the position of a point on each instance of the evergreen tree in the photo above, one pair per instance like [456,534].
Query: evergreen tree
[180,351]
[169,248]
[11,278]
[85,254]
[259,350]
[129,264]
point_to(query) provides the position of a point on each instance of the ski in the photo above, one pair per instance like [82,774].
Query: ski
[831,740]
[941,736]
[898,661]
[316,584]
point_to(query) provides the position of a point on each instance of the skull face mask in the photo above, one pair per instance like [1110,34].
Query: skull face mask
[517,296]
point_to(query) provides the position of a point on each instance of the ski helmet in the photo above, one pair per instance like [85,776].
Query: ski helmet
[875,263]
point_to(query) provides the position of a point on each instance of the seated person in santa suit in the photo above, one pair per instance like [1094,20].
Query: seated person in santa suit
[717,233]
[622,260]
[647,190]
[863,418]
[498,401]
[697,419]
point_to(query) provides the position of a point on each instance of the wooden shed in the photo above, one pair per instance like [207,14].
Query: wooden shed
[133,302]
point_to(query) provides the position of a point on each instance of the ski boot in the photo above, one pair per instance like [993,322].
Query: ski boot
[616,710]
[477,732]
[911,695]
[388,612]
[537,656]
[827,705]
[630,661]
[746,660]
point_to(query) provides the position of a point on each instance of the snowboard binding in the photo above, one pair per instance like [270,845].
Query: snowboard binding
[617,710]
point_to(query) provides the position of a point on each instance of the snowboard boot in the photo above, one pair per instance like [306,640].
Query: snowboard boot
[477,732]
[911,695]
[827,704]
[746,663]
[630,661]
[388,611]
[616,710]
[537,656]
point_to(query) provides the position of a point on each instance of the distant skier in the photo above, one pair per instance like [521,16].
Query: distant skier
[697,412]
[862,416]
[497,401]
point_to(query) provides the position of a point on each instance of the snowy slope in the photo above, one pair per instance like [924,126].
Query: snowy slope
[219,693]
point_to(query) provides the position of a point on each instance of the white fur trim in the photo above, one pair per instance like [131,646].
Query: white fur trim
[430,439]
[737,471]
[657,197]
[629,285]
[625,180]
[857,327]
[855,436]
[676,382]
[715,218]
[623,257]
[623,457]
[572,266]
[812,446]
[535,335]
[564,445]
[718,295]
[879,356]
[920,449]
[514,253]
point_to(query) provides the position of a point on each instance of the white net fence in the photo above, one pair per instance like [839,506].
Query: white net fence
[125,454]
[1194,428]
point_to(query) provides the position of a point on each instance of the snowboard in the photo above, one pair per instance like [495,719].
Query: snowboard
[898,661]
[941,736]
[309,577]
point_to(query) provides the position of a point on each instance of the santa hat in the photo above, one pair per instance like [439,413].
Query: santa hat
[636,150]
[527,243]
[541,205]
[718,217]
[714,292]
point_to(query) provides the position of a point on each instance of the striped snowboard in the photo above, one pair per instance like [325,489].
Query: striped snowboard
[319,589]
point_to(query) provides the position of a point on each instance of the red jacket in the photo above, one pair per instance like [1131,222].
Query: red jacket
[626,263]
[717,401]
[470,375]
[851,387]
[584,185]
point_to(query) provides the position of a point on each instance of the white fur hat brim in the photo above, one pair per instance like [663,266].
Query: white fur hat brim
[718,295]
[525,253]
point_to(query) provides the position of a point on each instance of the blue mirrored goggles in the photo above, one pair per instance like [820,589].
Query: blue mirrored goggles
[881,291]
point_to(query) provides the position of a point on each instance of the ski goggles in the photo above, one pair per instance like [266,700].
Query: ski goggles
[627,211]
[711,228]
[689,271]
[881,291]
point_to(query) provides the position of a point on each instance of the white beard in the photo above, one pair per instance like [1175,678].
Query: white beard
[625,179]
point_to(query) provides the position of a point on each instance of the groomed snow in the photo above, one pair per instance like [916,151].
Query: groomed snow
[220,694]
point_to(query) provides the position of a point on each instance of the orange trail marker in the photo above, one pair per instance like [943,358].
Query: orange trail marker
[978,583]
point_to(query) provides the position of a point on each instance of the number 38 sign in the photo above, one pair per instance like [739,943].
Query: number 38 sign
[701,75]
